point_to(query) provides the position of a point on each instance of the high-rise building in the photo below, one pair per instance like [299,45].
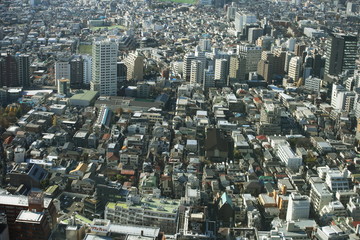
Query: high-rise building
[230,13]
[294,68]
[288,57]
[271,64]
[318,66]
[121,73]
[236,69]
[23,62]
[265,42]
[8,71]
[299,49]
[76,73]
[104,67]
[221,72]
[298,207]
[252,56]
[254,34]
[135,66]
[205,45]
[241,19]
[87,63]
[188,58]
[209,78]
[341,51]
[63,86]
[62,69]
[196,72]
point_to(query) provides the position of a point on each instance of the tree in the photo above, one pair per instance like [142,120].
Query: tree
[121,178]
[237,154]
[44,183]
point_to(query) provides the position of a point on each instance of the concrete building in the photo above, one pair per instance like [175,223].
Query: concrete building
[295,68]
[104,67]
[62,69]
[87,72]
[298,207]
[149,212]
[313,84]
[242,18]
[341,52]
[291,159]
[188,58]
[252,56]
[135,66]
[336,181]
[320,196]
[221,72]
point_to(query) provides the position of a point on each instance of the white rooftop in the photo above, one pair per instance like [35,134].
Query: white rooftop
[30,216]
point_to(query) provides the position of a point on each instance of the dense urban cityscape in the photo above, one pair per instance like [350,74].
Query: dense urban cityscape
[179,119]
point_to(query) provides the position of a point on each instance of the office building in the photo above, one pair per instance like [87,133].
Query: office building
[298,207]
[104,67]
[265,42]
[271,64]
[341,52]
[134,63]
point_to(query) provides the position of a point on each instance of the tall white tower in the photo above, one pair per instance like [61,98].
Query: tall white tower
[104,67]
[294,68]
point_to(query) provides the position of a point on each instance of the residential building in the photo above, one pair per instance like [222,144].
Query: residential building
[149,212]
[298,207]
[134,63]
[104,58]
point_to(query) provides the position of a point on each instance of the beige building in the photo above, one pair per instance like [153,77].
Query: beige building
[135,66]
